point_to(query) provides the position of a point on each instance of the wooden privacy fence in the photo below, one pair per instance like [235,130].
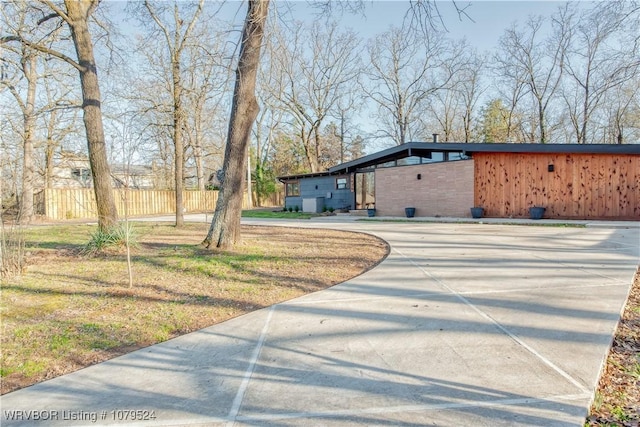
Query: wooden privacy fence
[72,203]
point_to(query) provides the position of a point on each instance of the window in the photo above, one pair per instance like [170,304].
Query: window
[390,164]
[341,183]
[453,156]
[436,156]
[413,160]
[81,174]
[365,190]
[293,188]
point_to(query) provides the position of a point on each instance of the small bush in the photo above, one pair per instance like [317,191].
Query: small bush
[290,209]
[331,209]
[296,208]
[12,253]
[115,238]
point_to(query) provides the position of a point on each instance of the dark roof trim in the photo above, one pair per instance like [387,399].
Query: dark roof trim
[419,148]
[306,175]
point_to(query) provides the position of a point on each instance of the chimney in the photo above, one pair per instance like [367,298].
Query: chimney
[435,137]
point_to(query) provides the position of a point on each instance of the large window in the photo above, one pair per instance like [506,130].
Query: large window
[436,156]
[389,164]
[341,183]
[413,160]
[453,156]
[293,189]
[365,190]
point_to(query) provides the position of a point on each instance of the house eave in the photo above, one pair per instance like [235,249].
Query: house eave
[423,148]
[287,178]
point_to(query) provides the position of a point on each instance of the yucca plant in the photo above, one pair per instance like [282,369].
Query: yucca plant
[116,237]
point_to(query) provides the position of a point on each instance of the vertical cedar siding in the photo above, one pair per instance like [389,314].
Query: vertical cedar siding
[582,186]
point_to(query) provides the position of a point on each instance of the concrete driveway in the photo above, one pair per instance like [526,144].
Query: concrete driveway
[463,324]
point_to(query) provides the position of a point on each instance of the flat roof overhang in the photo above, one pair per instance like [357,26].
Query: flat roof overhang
[286,178]
[425,148]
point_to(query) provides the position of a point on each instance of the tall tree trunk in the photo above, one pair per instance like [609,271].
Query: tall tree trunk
[543,130]
[178,142]
[50,150]
[310,151]
[197,156]
[78,13]
[225,226]
[28,114]
[582,137]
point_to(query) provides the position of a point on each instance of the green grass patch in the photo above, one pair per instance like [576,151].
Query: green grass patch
[261,213]
[58,237]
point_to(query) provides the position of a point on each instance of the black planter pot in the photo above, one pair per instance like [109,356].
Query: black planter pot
[536,212]
[371,212]
[410,212]
[477,212]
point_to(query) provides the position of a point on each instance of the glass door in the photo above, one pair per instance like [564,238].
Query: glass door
[365,190]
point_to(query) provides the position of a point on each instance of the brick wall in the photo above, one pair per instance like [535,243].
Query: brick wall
[445,189]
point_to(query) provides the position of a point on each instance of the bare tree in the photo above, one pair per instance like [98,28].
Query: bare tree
[470,88]
[603,54]
[406,68]
[27,65]
[176,31]
[348,105]
[621,113]
[206,82]
[149,93]
[225,226]
[512,86]
[453,111]
[318,65]
[535,63]
[76,16]
[269,120]
[59,118]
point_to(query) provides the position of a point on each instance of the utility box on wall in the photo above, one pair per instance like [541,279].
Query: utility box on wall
[312,205]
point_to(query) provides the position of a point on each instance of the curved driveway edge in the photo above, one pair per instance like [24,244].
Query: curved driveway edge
[462,324]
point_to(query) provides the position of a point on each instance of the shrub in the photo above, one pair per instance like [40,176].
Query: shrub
[115,238]
[296,208]
[12,253]
[290,209]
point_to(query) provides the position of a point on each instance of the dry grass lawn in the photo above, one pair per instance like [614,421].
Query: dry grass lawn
[617,398]
[69,310]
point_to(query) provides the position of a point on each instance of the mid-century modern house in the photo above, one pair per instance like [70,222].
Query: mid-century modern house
[571,181]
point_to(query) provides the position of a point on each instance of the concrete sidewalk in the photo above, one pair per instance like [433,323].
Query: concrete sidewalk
[462,324]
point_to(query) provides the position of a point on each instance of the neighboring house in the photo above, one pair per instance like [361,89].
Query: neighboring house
[446,179]
[137,177]
[72,170]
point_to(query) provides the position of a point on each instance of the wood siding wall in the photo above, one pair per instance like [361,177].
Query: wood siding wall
[71,203]
[581,186]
